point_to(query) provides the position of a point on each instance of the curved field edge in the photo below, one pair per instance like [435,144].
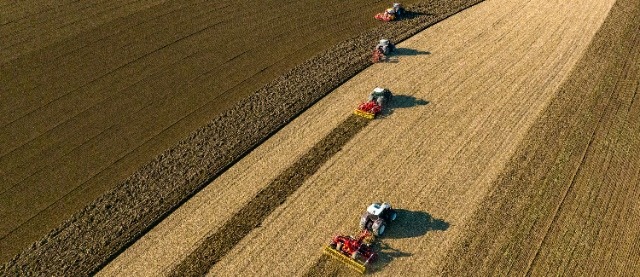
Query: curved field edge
[101,230]
[100,104]
[566,203]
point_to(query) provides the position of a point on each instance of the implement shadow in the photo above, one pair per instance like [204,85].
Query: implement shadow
[408,224]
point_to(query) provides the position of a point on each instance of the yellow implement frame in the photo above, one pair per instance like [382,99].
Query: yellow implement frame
[364,114]
[344,259]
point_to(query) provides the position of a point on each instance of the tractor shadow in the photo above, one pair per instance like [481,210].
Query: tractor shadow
[408,14]
[411,224]
[403,102]
[408,224]
[409,52]
[386,254]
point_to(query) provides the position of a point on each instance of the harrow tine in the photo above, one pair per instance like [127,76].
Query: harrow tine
[363,114]
[345,260]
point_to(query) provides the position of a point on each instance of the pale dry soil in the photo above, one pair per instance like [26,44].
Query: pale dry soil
[488,74]
[566,202]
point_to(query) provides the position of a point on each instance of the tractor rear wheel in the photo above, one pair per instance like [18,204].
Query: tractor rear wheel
[363,221]
[378,227]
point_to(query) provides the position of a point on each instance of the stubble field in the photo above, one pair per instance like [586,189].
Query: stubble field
[457,122]
[511,147]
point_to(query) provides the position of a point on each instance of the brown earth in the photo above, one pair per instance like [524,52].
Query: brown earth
[498,124]
[93,90]
[486,73]
[92,236]
[567,201]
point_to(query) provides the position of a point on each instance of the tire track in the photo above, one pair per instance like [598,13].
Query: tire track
[250,216]
[37,31]
[571,184]
[602,164]
[141,59]
[138,34]
[4,232]
[124,155]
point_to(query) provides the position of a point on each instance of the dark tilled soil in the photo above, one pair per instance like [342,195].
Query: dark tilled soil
[94,235]
[567,201]
[93,90]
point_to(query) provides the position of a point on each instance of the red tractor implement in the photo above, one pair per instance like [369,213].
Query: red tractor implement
[356,252]
[385,17]
[368,109]
[378,56]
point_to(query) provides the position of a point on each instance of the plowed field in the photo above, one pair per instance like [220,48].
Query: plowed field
[92,90]
[468,91]
[93,235]
[510,148]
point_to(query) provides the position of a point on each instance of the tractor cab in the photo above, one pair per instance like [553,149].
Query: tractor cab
[377,208]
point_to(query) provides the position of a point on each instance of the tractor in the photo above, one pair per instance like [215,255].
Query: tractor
[391,14]
[382,50]
[378,99]
[358,252]
[377,217]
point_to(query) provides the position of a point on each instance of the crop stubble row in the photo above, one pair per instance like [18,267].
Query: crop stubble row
[566,202]
[117,218]
[491,71]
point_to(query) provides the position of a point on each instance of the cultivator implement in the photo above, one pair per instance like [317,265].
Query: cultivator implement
[368,110]
[364,114]
[355,252]
[385,17]
[379,57]
[351,263]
